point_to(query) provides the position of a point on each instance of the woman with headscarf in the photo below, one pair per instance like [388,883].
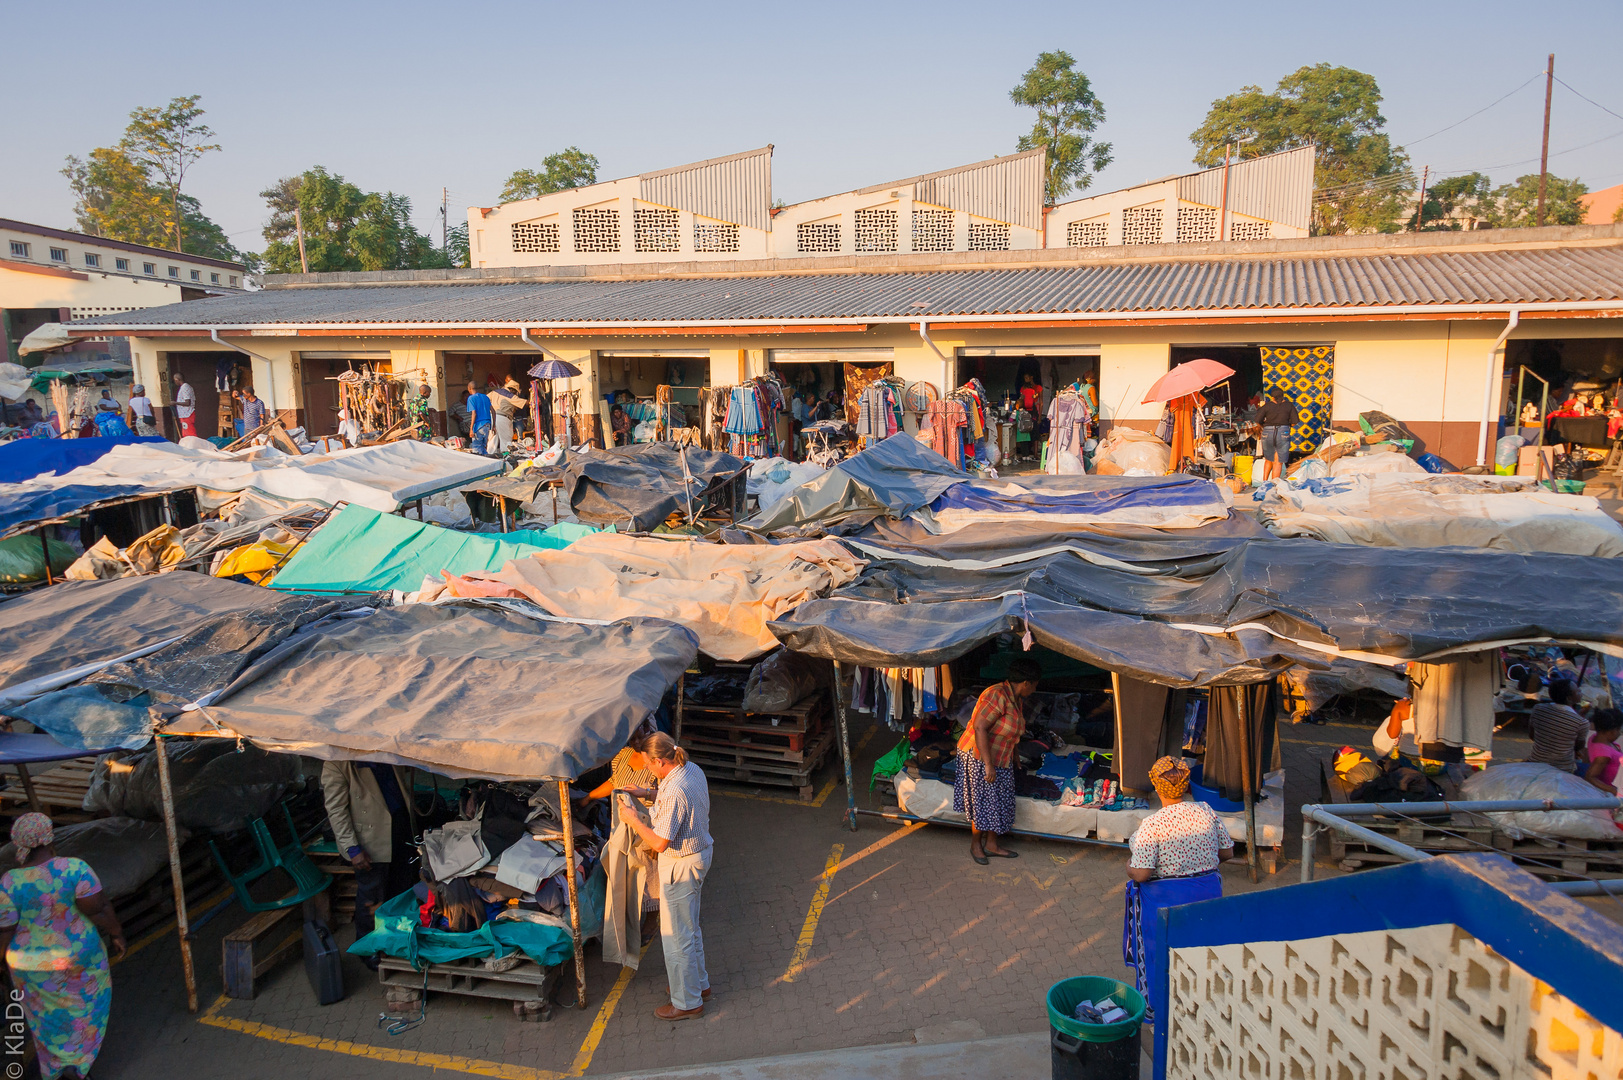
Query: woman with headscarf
[50,908]
[1175,852]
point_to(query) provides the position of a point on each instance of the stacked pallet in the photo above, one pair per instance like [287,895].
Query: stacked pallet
[60,789]
[777,749]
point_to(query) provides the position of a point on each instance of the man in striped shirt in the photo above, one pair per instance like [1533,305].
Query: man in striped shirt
[1558,731]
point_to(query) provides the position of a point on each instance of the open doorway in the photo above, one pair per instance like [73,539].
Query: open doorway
[207,373]
[1236,392]
[1003,371]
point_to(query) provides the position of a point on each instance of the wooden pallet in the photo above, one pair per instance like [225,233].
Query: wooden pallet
[61,787]
[804,715]
[741,767]
[529,986]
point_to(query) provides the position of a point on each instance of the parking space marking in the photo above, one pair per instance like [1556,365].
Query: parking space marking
[583,1059]
[808,932]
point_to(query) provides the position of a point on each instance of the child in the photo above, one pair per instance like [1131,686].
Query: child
[1603,753]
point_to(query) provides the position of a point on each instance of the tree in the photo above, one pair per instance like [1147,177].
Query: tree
[116,198]
[1067,115]
[456,246]
[345,228]
[1516,204]
[1454,203]
[1360,179]
[170,139]
[568,168]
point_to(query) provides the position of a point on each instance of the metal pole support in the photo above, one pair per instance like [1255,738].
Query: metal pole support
[574,888]
[1310,843]
[840,710]
[1253,850]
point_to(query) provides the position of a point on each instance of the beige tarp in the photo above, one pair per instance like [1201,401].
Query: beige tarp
[1505,513]
[725,593]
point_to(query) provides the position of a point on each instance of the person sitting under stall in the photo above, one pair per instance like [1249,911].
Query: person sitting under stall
[1602,754]
[1558,730]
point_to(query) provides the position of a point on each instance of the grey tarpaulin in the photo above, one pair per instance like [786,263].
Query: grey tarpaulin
[23,506]
[637,487]
[54,636]
[1404,604]
[897,476]
[876,634]
[466,689]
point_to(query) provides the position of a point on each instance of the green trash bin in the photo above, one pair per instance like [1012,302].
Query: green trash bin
[1082,1051]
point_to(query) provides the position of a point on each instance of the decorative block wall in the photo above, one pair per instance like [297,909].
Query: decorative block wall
[597,229]
[876,230]
[932,230]
[818,237]
[1427,1003]
[988,236]
[535,236]
[1089,233]
[714,236]
[657,228]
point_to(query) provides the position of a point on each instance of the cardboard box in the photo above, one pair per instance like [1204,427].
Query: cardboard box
[1527,463]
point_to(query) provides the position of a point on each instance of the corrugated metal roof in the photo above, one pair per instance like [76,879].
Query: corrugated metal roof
[736,188]
[1008,188]
[1276,187]
[1525,276]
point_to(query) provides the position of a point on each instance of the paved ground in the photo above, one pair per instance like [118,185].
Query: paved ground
[911,937]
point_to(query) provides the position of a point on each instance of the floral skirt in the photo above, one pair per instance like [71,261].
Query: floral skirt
[989,807]
[67,1014]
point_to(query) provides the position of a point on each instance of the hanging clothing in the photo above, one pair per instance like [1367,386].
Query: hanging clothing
[1223,737]
[1184,436]
[629,869]
[947,419]
[1068,418]
[1454,700]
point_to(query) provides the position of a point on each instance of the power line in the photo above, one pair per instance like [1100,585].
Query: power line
[1480,111]
[1591,100]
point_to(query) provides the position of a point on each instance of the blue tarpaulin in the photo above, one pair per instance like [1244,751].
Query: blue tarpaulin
[1092,495]
[24,459]
[24,505]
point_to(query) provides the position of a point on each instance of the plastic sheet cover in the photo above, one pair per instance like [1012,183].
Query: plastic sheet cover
[465,689]
[1401,604]
[1400,510]
[361,550]
[724,593]
[24,459]
[636,488]
[896,477]
[70,630]
[1167,502]
[382,477]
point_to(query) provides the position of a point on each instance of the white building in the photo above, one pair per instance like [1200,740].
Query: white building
[721,211]
[1261,198]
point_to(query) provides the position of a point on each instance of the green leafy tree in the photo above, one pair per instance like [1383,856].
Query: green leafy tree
[1516,203]
[115,197]
[169,140]
[568,168]
[1361,180]
[1068,113]
[456,247]
[1454,203]
[345,228]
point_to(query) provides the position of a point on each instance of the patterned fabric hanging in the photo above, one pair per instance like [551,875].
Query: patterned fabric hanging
[1307,373]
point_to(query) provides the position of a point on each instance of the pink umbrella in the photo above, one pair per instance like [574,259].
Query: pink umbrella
[1187,378]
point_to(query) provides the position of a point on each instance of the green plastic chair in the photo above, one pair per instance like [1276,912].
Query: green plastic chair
[308,878]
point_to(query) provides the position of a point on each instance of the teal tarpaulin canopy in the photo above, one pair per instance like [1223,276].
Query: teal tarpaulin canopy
[362,550]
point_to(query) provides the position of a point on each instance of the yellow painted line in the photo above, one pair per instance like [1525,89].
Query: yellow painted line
[906,830]
[167,928]
[583,1059]
[422,1059]
[808,932]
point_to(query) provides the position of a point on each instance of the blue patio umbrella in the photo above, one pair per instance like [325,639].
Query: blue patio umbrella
[554,369]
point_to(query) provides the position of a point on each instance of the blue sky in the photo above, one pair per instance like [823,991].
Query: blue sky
[414,97]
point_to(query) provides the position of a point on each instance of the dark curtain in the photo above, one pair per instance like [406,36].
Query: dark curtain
[1142,731]
[1223,735]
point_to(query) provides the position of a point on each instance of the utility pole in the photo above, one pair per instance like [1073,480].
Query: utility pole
[445,232]
[1223,215]
[298,227]
[1420,214]
[1544,154]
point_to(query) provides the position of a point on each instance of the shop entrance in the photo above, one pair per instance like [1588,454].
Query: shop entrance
[1003,371]
[217,410]
[1571,366]
[1236,392]
[487,371]
[632,378]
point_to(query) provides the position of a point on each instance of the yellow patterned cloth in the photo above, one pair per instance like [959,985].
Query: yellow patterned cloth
[1307,372]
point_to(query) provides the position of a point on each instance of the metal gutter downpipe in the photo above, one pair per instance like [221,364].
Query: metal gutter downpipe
[1494,370]
[270,368]
[946,364]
